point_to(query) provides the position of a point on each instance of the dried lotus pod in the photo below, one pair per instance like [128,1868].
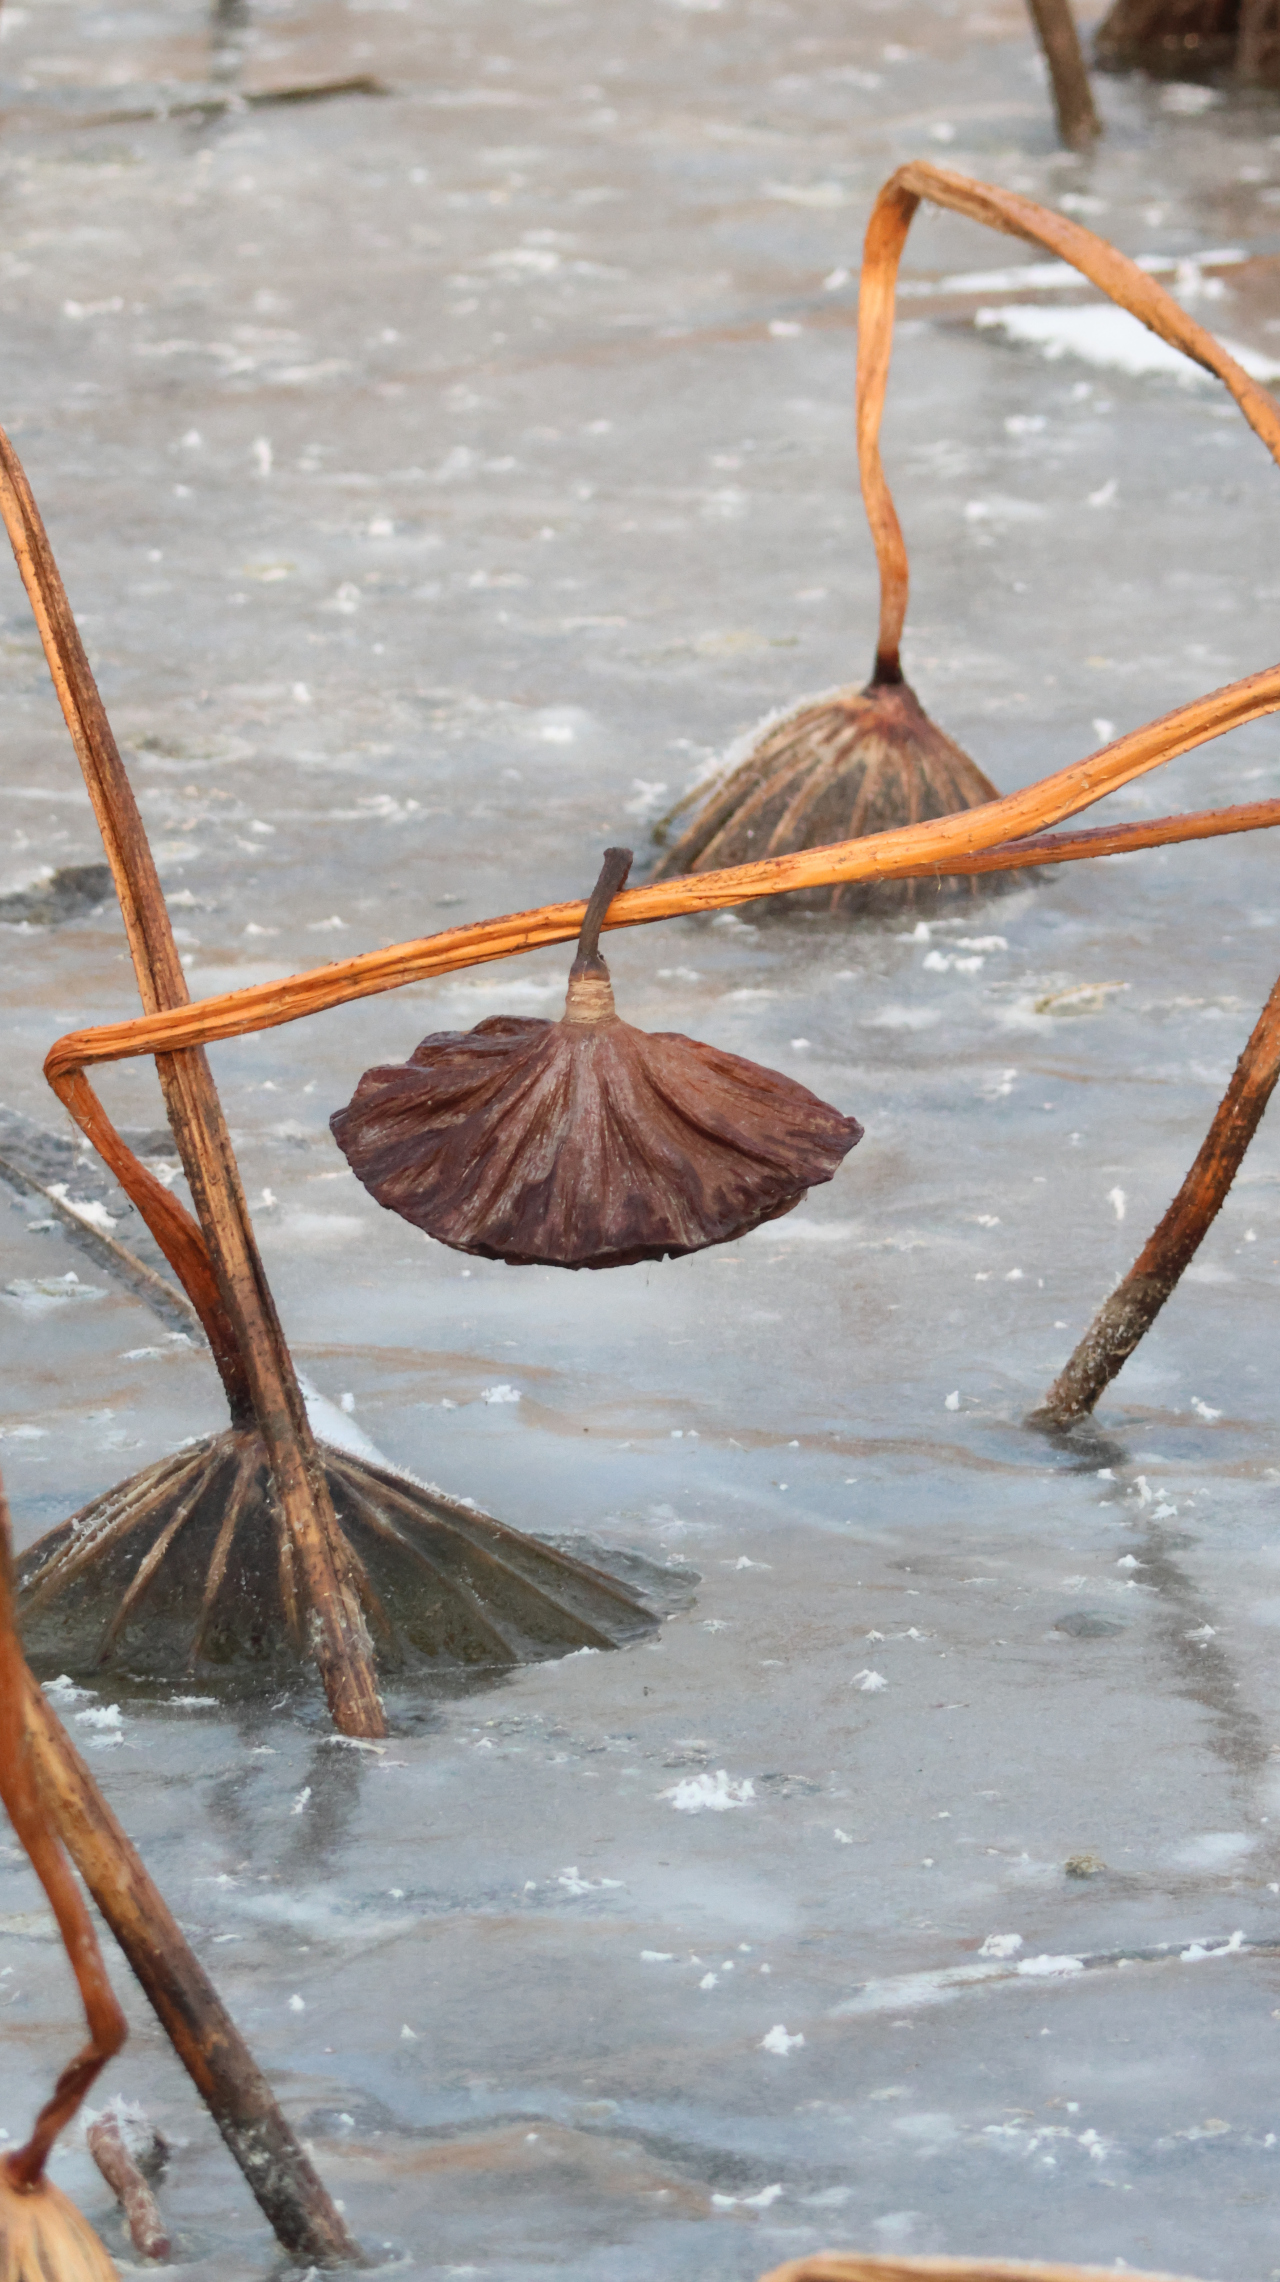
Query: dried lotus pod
[586,1143]
[836,768]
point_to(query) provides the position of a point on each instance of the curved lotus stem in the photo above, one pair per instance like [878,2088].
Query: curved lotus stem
[912,851]
[268,1005]
[18,1789]
[1017,217]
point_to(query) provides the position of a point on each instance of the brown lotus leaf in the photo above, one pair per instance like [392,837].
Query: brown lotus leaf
[586,1143]
[843,766]
[1187,39]
[44,2238]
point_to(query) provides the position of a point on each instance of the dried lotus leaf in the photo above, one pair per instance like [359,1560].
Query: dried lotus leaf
[44,2238]
[586,1143]
[840,767]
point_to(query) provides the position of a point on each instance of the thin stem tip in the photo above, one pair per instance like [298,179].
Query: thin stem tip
[613,873]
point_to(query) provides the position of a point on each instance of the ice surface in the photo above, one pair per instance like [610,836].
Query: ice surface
[445,478]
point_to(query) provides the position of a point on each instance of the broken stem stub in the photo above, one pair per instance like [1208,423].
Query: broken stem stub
[110,2151]
[613,877]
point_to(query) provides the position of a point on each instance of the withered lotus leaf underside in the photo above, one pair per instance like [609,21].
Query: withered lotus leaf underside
[854,762]
[585,1143]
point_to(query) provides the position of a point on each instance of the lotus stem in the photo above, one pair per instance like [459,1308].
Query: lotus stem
[218,1263]
[1017,217]
[1055,28]
[613,873]
[1128,1314]
[27,1812]
[280,2176]
[996,837]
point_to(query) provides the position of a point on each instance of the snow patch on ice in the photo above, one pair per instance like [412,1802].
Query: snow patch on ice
[709,1794]
[778,2041]
[1100,334]
[1001,1945]
[331,1424]
[1214,1850]
[1196,1951]
[88,1209]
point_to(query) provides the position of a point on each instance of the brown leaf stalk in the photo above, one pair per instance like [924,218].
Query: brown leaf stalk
[27,1812]
[944,843]
[1131,1309]
[1078,121]
[1017,217]
[224,1275]
[225,2074]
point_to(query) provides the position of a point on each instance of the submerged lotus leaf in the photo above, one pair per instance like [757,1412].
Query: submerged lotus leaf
[586,1143]
[846,765]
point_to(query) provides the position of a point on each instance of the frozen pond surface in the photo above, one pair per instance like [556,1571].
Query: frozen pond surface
[444,475]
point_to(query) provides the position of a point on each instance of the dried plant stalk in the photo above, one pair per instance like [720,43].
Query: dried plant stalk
[999,834]
[223,1274]
[1124,839]
[147,2230]
[19,1790]
[1017,217]
[1131,1309]
[859,760]
[858,2266]
[1078,121]
[278,2173]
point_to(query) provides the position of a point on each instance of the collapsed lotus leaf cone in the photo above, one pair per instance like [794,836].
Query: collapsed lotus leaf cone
[838,768]
[1179,39]
[44,2238]
[586,1143]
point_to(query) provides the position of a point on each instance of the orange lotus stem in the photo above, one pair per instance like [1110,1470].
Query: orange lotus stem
[1016,217]
[914,850]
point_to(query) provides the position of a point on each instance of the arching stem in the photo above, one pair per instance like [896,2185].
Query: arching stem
[1017,217]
